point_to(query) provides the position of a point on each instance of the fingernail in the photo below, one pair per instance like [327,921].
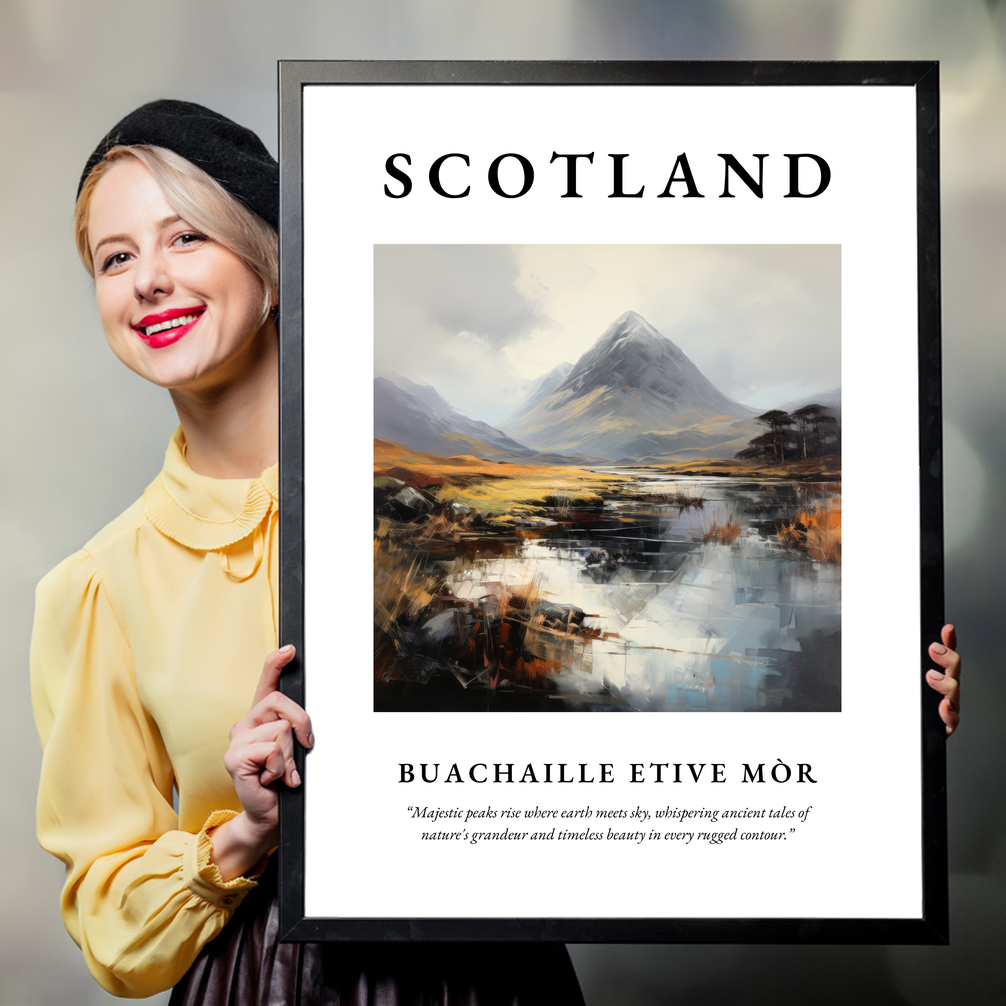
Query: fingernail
[295,777]
[287,649]
[310,740]
[938,648]
[936,675]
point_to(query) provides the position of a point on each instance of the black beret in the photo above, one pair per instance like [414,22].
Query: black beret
[231,154]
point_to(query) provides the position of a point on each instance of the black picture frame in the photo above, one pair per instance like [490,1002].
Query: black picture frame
[931,925]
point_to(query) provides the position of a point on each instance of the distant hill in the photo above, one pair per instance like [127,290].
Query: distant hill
[419,418]
[633,393]
[423,421]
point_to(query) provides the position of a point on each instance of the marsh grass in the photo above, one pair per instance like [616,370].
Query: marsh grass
[816,530]
[683,502]
[726,533]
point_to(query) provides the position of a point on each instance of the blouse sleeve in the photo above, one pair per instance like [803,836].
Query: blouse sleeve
[141,898]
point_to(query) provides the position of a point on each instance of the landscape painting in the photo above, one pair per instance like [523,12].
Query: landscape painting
[607,478]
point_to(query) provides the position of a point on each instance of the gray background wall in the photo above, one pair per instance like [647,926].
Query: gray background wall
[82,437]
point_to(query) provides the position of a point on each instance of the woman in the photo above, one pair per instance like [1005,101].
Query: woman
[149,642]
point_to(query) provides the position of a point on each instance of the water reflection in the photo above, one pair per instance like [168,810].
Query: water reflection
[713,594]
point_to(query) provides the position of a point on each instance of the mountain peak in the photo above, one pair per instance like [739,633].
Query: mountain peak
[631,323]
[631,328]
[632,380]
[633,319]
[630,353]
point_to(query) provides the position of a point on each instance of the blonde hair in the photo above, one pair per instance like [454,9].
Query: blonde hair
[199,200]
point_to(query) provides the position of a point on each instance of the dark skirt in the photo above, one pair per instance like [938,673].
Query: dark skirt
[246,965]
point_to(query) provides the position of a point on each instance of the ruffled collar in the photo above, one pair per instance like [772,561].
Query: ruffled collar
[203,513]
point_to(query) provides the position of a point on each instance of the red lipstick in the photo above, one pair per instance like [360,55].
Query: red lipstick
[166,327]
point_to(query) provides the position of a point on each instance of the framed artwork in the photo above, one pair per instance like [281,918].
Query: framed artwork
[611,495]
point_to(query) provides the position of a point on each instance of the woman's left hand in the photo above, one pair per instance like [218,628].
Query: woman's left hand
[948,681]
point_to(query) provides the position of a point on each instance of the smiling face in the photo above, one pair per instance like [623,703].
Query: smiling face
[177,307]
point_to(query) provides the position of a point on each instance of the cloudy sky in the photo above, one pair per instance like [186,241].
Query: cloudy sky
[481,322]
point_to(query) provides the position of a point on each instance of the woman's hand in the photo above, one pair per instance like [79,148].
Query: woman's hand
[948,681]
[260,753]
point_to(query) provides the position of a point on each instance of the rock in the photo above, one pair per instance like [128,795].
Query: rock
[459,509]
[384,487]
[415,500]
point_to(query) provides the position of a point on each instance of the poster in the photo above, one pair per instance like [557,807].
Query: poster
[601,384]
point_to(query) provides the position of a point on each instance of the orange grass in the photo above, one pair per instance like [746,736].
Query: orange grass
[831,465]
[817,529]
[724,534]
[683,501]
[496,490]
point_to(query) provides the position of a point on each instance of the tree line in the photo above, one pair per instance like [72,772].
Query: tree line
[808,432]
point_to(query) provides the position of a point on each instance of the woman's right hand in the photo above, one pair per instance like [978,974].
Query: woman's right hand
[259,754]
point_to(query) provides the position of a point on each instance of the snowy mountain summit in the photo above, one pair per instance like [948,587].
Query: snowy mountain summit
[632,383]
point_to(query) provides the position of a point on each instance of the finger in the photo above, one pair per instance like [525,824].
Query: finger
[261,761]
[271,670]
[279,733]
[275,706]
[949,636]
[946,685]
[950,716]
[274,766]
[948,659]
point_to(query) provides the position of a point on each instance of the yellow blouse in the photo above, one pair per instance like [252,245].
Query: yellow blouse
[147,647]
